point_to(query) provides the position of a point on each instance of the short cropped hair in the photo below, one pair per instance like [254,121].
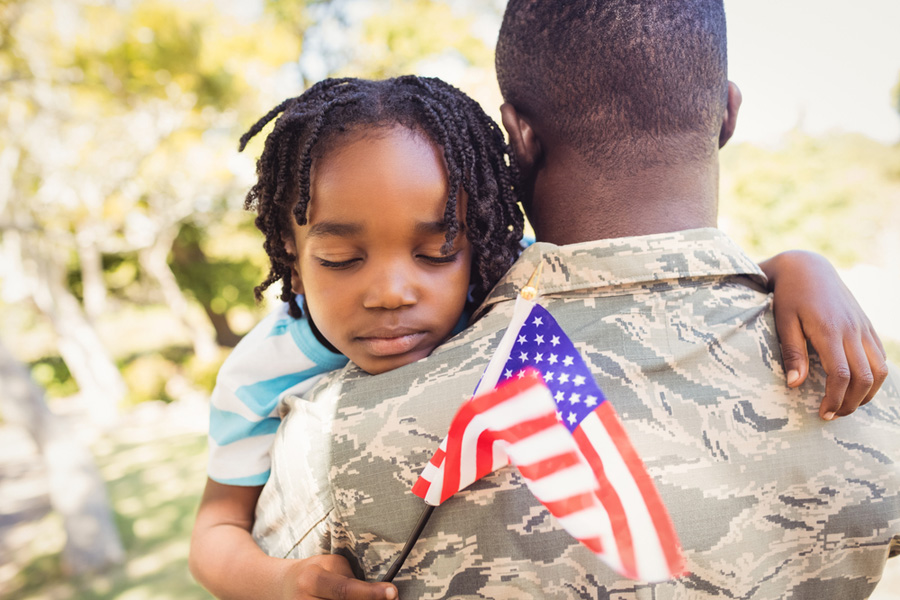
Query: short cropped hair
[622,81]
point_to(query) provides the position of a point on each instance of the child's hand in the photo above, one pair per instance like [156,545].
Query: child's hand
[330,576]
[812,303]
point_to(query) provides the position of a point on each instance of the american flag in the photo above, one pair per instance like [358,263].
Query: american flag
[550,417]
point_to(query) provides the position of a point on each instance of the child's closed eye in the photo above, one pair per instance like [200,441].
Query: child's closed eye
[439,260]
[338,264]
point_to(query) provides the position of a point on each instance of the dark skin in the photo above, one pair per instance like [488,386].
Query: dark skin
[812,304]
[234,567]
[568,204]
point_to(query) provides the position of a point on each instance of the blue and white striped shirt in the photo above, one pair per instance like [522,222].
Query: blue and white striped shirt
[278,357]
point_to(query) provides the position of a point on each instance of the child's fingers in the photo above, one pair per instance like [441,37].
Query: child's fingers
[347,588]
[837,380]
[877,362]
[330,577]
[861,377]
[794,354]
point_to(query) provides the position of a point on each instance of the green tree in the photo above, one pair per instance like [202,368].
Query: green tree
[838,195]
[119,127]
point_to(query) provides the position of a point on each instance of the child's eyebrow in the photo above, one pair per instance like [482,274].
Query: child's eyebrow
[431,227]
[330,228]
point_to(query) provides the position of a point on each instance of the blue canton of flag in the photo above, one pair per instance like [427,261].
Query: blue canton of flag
[542,344]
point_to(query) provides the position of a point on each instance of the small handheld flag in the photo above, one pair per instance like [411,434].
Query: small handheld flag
[621,517]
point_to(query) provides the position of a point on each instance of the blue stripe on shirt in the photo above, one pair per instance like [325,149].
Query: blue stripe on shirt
[280,328]
[249,480]
[262,397]
[313,348]
[226,427]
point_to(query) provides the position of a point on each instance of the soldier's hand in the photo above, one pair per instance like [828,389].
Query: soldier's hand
[812,303]
[329,576]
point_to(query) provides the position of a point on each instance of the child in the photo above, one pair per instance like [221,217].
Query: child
[415,217]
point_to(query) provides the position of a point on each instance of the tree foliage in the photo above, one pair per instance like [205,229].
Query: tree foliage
[120,121]
[838,195]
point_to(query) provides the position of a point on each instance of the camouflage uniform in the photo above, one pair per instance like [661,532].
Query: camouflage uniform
[768,500]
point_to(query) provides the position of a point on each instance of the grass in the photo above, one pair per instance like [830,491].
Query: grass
[154,479]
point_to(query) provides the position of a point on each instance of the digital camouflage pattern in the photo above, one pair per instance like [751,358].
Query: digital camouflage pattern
[768,500]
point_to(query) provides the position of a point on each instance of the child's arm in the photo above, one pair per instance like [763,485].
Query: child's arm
[812,303]
[226,561]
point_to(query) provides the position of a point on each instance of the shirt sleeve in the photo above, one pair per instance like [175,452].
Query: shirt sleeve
[279,356]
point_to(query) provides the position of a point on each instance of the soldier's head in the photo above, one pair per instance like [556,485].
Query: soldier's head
[626,84]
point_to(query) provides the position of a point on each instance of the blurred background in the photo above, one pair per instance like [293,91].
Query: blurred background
[127,262]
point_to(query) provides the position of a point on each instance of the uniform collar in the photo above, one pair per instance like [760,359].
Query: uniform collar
[604,265]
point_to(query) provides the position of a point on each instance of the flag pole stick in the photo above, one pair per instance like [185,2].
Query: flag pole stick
[413,537]
[530,290]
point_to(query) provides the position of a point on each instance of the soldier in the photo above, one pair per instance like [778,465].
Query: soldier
[615,112]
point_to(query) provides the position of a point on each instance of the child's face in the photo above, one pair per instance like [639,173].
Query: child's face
[368,259]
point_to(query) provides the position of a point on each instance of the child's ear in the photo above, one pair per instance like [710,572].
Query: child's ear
[290,246]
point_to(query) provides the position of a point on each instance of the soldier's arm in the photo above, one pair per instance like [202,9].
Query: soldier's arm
[812,304]
[225,559]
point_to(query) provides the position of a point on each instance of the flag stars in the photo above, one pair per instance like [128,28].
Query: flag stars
[538,357]
[575,398]
[552,360]
[523,356]
[571,418]
[507,373]
[563,378]
[591,401]
[521,374]
[567,361]
[560,396]
[579,380]
[538,321]
[538,339]
[555,340]
[548,376]
[522,340]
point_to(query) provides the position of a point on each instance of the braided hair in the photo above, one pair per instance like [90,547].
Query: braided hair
[477,159]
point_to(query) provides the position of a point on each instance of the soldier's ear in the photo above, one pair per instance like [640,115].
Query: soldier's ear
[290,246]
[729,121]
[523,139]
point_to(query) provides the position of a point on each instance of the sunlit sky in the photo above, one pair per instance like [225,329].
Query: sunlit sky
[817,64]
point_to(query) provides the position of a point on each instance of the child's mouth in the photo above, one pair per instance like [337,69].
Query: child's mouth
[391,344]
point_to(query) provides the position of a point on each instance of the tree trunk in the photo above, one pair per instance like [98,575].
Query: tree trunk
[101,385]
[225,336]
[93,286]
[77,490]
[154,260]
[190,252]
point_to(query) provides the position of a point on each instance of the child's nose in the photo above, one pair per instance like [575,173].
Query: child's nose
[391,287]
